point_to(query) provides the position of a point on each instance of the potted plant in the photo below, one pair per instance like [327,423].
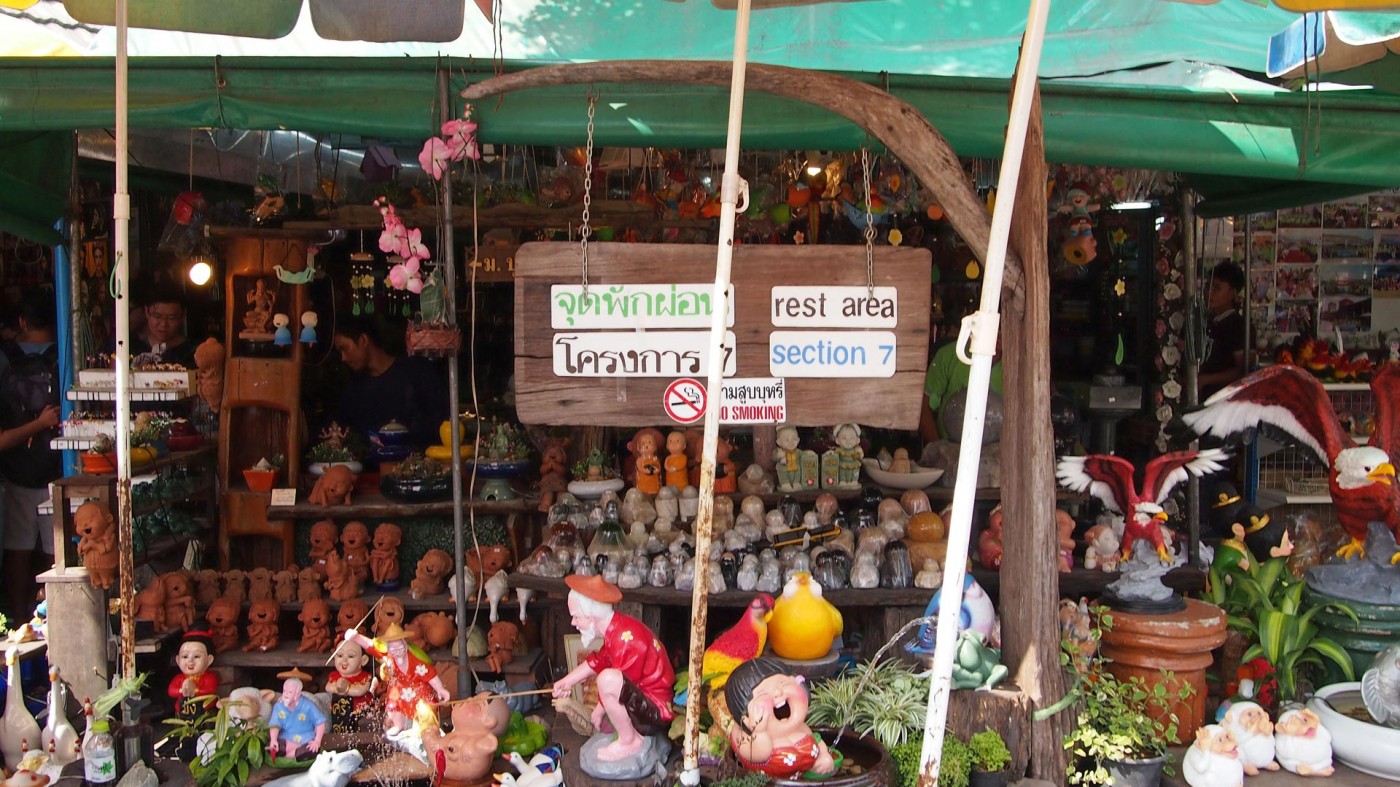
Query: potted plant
[335,448]
[417,479]
[262,476]
[595,474]
[1120,735]
[1265,603]
[885,704]
[990,759]
[101,457]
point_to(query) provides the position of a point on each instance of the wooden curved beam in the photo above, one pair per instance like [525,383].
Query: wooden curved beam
[899,126]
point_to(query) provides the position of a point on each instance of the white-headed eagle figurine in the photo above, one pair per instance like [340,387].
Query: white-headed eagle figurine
[1360,478]
[1110,479]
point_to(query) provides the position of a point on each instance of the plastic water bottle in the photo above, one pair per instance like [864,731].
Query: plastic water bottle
[99,756]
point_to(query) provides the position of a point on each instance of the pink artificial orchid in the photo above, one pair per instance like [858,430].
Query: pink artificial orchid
[405,277]
[460,136]
[435,157]
[413,248]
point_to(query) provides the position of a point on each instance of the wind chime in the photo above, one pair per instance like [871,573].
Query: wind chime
[362,282]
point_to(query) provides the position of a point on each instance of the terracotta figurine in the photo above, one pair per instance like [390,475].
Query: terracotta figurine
[259,583]
[430,575]
[308,585]
[324,535]
[466,753]
[340,579]
[1064,530]
[236,585]
[554,472]
[384,558]
[284,585]
[350,615]
[206,583]
[647,466]
[333,488]
[209,360]
[262,626]
[407,677]
[634,675]
[432,630]
[222,617]
[97,543]
[315,617]
[149,604]
[500,642]
[677,463]
[388,612]
[354,538]
[771,735]
[726,472]
[179,600]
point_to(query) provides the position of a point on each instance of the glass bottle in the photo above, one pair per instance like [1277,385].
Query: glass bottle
[99,756]
[134,739]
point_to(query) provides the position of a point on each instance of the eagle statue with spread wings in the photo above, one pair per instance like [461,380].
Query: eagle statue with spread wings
[1110,479]
[1361,478]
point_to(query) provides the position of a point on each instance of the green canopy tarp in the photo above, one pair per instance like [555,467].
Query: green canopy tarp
[36,168]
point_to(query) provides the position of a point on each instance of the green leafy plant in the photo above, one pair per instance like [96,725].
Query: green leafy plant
[419,467]
[750,779]
[235,749]
[1118,720]
[596,458]
[886,700]
[1266,603]
[989,752]
[955,767]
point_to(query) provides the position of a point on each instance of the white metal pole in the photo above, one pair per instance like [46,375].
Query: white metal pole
[730,190]
[981,329]
[121,221]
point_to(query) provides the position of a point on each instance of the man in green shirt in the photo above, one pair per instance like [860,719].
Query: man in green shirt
[946,376]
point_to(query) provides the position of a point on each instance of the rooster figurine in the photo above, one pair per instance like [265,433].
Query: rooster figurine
[1110,479]
[1361,478]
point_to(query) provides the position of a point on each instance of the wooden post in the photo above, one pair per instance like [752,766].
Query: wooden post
[1030,627]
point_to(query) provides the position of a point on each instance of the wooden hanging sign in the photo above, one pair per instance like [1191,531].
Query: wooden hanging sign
[802,314]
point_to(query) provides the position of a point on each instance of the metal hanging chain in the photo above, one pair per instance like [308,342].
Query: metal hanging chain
[585,230]
[869,224]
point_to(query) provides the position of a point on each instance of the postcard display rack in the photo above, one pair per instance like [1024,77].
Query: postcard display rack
[1332,268]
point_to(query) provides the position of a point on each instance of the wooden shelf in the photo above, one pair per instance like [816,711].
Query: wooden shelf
[23,650]
[376,506]
[172,459]
[79,394]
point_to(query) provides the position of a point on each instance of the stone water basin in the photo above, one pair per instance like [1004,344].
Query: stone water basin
[1357,741]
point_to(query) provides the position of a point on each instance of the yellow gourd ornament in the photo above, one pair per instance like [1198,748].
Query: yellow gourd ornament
[803,624]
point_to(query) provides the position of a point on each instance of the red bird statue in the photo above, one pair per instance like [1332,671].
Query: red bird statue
[1361,478]
[1110,479]
[743,642]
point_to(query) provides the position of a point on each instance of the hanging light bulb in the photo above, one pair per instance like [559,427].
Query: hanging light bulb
[201,271]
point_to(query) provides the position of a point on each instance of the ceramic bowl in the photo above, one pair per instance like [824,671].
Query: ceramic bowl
[502,469]
[920,478]
[393,433]
[1363,745]
[591,490]
[184,442]
[319,468]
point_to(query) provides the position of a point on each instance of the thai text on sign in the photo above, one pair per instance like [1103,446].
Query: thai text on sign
[634,306]
[753,400]
[638,354]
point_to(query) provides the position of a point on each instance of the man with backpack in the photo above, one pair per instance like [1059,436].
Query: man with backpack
[29,415]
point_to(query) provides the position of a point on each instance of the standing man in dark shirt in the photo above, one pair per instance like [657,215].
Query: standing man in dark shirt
[386,387]
[1225,327]
[165,331]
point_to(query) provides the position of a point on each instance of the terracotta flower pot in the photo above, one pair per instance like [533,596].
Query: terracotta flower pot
[260,480]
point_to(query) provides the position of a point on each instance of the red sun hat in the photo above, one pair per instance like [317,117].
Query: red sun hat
[594,587]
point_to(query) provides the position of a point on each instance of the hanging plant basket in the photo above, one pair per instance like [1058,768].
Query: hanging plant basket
[432,339]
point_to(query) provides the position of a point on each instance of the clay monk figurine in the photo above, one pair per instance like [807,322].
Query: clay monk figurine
[633,672]
[97,543]
[409,677]
[770,734]
[333,488]
[384,558]
[648,467]
[297,724]
[209,359]
[355,541]
[677,462]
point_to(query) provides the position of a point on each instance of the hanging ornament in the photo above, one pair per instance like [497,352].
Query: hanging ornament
[362,283]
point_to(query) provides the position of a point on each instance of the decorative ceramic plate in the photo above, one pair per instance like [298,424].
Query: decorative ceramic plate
[594,489]
[920,478]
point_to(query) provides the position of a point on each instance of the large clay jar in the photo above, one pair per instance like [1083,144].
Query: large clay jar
[865,763]
[1144,645]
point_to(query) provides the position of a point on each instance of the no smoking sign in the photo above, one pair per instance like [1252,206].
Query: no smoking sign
[685,400]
